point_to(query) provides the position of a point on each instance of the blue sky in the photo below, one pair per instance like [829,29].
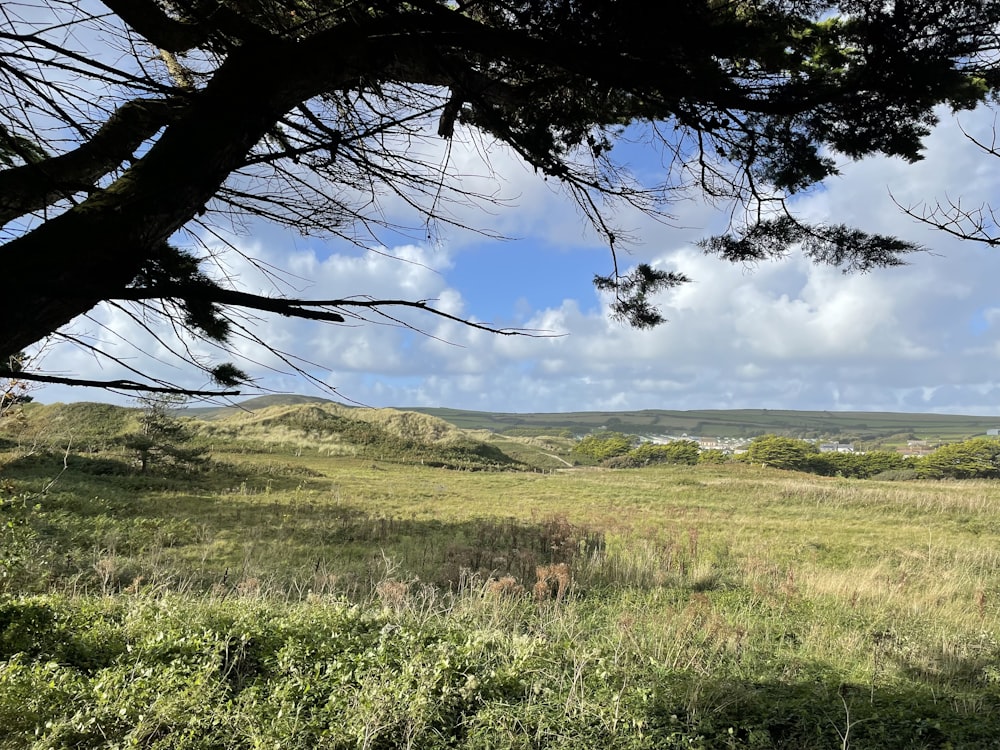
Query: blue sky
[783,335]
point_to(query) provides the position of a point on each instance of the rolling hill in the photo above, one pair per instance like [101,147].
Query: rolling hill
[870,426]
[534,438]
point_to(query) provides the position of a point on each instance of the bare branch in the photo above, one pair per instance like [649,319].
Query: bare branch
[120,385]
[300,308]
[38,184]
[978,224]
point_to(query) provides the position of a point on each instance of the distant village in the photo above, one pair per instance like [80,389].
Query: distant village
[736,445]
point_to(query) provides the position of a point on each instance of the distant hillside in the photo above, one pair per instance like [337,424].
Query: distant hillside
[313,425]
[741,423]
[253,404]
[871,426]
[327,416]
[337,430]
[455,437]
[79,426]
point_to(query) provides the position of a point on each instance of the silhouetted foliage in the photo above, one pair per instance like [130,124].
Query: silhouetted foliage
[129,135]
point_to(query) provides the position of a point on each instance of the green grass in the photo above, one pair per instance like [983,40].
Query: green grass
[290,596]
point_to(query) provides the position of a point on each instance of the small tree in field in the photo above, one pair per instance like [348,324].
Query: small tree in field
[161,436]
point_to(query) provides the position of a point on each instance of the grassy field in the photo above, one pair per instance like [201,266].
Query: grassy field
[293,595]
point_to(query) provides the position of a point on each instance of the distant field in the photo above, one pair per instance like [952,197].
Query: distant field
[865,426]
[877,428]
[295,594]
[737,423]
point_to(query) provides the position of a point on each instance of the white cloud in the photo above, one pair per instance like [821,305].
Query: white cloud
[782,335]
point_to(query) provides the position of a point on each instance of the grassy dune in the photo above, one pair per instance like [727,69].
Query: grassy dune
[292,596]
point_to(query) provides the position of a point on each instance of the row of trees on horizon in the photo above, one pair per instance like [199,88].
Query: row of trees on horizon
[977,458]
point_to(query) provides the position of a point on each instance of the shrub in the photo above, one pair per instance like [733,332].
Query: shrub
[896,475]
[978,458]
[628,461]
[713,456]
[783,453]
[600,446]
[676,452]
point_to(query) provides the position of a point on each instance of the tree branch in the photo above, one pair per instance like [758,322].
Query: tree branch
[151,23]
[33,186]
[123,385]
[218,295]
[295,308]
[173,35]
[539,87]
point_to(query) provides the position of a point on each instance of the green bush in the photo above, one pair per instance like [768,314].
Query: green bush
[978,458]
[897,475]
[783,453]
[713,456]
[498,671]
[676,452]
[628,461]
[600,446]
[856,465]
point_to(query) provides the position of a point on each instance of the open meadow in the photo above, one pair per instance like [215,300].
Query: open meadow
[286,594]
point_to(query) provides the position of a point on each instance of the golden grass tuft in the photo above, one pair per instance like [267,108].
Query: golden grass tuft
[505,587]
[553,582]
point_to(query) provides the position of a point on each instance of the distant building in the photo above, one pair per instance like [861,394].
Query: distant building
[836,447]
[994,432]
[916,450]
[657,439]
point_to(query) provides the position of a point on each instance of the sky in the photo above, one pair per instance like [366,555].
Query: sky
[783,335]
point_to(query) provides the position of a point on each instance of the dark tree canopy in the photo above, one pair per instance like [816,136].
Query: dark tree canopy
[130,129]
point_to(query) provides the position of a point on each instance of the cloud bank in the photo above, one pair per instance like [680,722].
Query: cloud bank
[790,335]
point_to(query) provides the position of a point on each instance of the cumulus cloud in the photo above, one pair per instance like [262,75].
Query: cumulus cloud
[780,335]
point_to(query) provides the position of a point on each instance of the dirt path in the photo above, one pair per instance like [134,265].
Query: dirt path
[557,458]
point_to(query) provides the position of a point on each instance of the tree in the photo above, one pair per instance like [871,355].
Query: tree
[161,435]
[782,453]
[713,456]
[674,452]
[130,130]
[873,463]
[600,446]
[978,458]
[857,465]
